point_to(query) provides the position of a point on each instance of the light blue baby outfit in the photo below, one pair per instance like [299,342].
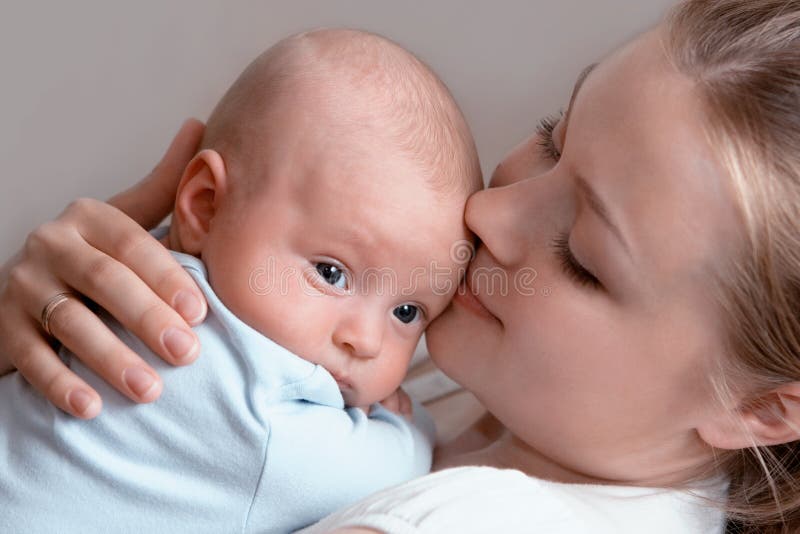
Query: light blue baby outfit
[249,438]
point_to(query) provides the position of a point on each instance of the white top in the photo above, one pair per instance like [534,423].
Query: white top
[485,499]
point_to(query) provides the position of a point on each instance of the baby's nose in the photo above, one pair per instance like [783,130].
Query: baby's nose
[360,336]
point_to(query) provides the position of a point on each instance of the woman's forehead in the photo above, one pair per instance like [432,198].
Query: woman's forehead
[637,135]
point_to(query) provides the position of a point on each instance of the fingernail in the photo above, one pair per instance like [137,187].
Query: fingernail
[80,401]
[139,381]
[189,306]
[180,343]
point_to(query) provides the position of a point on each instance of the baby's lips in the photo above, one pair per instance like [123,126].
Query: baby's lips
[342,380]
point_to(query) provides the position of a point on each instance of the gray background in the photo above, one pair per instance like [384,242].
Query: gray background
[92,91]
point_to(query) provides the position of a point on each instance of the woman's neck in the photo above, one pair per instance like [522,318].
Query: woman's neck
[489,443]
[507,451]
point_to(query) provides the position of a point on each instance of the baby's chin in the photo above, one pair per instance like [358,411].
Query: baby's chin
[353,398]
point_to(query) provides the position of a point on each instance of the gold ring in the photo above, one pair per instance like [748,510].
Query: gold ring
[49,308]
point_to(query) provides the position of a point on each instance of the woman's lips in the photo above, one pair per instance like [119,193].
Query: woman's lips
[466,297]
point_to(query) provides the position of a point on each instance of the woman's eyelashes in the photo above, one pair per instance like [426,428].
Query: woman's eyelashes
[545,130]
[571,266]
[569,263]
[332,274]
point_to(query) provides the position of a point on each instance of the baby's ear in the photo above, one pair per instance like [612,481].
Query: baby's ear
[202,187]
[770,419]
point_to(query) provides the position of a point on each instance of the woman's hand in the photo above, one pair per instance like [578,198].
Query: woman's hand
[103,251]
[398,402]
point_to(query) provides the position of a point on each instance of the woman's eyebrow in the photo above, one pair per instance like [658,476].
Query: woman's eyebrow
[578,83]
[592,199]
[599,207]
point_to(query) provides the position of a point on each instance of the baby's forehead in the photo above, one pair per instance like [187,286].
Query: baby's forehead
[397,255]
[384,191]
[334,153]
[391,214]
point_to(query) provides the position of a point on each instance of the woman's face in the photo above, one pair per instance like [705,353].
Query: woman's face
[599,366]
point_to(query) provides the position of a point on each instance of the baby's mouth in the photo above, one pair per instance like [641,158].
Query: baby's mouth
[342,380]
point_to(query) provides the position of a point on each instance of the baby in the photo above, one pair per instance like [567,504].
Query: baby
[318,219]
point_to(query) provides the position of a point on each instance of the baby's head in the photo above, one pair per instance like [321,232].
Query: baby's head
[327,203]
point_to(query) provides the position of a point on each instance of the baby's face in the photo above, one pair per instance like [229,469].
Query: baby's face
[343,255]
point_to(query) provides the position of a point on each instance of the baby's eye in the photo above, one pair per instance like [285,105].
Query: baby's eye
[332,275]
[406,313]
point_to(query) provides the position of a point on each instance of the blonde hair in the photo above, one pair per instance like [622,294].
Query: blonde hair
[744,56]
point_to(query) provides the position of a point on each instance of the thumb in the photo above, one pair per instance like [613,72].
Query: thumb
[405,405]
[153,197]
[392,403]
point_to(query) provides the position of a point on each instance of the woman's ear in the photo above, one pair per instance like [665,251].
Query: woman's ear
[201,189]
[771,419]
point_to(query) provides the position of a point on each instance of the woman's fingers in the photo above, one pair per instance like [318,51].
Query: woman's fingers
[96,249]
[391,403]
[129,244]
[152,199]
[398,402]
[35,360]
[404,402]
[131,275]
[83,333]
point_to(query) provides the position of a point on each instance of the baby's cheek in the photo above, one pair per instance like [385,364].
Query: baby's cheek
[280,308]
[303,324]
[376,383]
[393,374]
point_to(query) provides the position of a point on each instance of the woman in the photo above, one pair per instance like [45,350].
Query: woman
[661,209]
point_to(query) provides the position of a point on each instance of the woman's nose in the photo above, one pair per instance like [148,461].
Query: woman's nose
[360,334]
[497,216]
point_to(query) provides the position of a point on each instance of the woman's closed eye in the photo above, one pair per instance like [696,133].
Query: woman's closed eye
[571,266]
